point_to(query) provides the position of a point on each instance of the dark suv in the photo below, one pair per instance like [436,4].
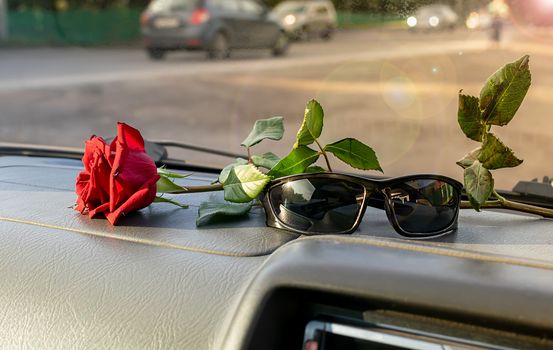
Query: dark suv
[215,26]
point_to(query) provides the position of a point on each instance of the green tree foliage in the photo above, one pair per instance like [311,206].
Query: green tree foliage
[390,7]
[58,5]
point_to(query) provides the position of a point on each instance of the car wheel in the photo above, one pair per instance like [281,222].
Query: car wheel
[304,33]
[156,54]
[220,47]
[326,34]
[281,45]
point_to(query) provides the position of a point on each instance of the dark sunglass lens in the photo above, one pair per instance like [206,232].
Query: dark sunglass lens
[318,205]
[424,206]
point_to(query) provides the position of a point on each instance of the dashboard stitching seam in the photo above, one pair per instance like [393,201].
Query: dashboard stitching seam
[130,239]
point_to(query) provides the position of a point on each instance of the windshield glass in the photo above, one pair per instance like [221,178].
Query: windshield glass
[289,7]
[70,69]
[172,5]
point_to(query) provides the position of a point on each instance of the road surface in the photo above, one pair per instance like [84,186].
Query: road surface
[394,90]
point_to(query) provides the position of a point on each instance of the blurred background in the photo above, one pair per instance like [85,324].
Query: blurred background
[202,71]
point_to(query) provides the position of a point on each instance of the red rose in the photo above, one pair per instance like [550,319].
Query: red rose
[118,178]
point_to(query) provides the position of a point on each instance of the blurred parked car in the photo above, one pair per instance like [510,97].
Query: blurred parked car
[215,26]
[301,19]
[433,17]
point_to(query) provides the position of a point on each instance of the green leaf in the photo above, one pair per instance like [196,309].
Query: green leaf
[355,153]
[166,185]
[244,183]
[469,158]
[504,92]
[470,117]
[210,212]
[226,170]
[474,203]
[294,163]
[312,124]
[166,200]
[495,155]
[271,128]
[478,184]
[164,172]
[315,169]
[267,160]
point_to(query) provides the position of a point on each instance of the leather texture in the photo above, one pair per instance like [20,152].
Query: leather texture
[62,290]
[156,281]
[470,287]
[517,237]
[47,194]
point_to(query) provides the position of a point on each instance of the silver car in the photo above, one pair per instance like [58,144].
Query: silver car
[433,17]
[302,19]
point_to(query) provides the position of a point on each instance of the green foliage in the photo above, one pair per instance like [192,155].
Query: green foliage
[57,5]
[504,91]
[495,155]
[166,185]
[242,179]
[295,163]
[170,201]
[244,183]
[210,212]
[354,153]
[164,172]
[470,158]
[382,7]
[226,170]
[266,160]
[272,129]
[470,117]
[350,151]
[478,184]
[315,169]
[312,125]
[500,99]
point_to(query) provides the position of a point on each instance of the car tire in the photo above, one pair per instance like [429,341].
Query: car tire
[281,45]
[156,54]
[304,33]
[326,34]
[219,48]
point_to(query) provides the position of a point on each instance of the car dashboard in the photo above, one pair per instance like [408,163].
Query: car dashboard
[158,281]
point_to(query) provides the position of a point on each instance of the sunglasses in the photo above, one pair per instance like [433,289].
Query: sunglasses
[417,206]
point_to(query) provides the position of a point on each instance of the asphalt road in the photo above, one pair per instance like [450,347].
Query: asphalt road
[394,90]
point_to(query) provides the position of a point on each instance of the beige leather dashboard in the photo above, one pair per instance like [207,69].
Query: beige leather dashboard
[156,281]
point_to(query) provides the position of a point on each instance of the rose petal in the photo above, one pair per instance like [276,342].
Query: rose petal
[102,209]
[140,199]
[130,137]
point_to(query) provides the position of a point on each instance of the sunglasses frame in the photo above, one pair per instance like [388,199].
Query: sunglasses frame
[368,184]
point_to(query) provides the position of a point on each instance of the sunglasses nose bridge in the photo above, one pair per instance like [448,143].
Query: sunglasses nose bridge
[387,193]
[389,205]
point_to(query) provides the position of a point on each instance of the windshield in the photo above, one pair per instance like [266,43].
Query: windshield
[289,7]
[172,5]
[71,69]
